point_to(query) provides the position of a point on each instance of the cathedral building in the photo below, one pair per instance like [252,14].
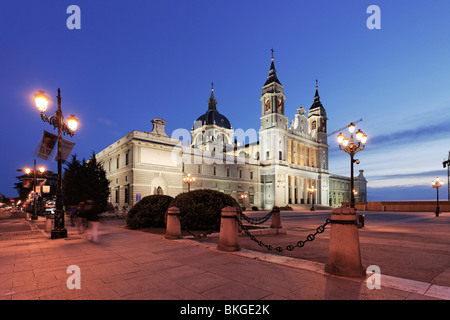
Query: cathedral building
[284,163]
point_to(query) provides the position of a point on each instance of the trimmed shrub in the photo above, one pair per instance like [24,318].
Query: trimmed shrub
[201,209]
[149,212]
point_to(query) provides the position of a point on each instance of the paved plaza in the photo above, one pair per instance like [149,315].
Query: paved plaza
[411,250]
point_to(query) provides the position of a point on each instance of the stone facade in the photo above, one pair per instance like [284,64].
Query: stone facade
[277,166]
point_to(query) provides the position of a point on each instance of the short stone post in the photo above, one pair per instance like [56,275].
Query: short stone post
[173,227]
[228,238]
[276,218]
[49,222]
[344,257]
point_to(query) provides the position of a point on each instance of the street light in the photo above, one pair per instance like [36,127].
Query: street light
[352,148]
[41,170]
[311,191]
[243,196]
[57,121]
[437,184]
[189,180]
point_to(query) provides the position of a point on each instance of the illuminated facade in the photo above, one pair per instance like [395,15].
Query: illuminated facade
[285,163]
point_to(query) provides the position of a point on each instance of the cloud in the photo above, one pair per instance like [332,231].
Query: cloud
[402,193]
[427,174]
[433,131]
[422,179]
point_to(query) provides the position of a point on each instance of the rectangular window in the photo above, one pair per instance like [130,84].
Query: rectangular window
[127,194]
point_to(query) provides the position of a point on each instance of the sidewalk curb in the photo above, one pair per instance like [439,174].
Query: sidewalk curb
[406,285]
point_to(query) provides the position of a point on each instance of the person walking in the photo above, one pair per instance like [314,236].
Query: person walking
[81,217]
[93,221]
[73,215]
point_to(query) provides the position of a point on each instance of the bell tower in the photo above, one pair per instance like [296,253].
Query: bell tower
[317,119]
[272,101]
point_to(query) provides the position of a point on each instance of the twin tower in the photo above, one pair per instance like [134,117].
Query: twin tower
[291,156]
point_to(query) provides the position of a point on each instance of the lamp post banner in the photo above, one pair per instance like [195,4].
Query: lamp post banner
[46,145]
[66,149]
[27,183]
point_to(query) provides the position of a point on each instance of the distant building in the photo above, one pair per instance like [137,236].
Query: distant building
[340,189]
[280,168]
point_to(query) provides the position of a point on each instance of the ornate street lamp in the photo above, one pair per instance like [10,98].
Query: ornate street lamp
[437,184]
[312,191]
[243,196]
[352,148]
[189,180]
[28,170]
[57,121]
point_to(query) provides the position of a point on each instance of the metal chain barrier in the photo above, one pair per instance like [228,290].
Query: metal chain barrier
[256,220]
[203,235]
[320,229]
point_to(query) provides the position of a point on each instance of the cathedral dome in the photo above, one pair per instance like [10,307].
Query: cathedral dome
[212,116]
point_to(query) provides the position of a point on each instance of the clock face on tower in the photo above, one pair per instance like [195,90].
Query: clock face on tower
[267,104]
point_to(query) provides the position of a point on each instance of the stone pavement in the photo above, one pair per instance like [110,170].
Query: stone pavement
[135,265]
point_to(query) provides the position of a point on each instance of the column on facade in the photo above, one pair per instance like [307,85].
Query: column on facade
[307,156]
[319,191]
[301,154]
[313,157]
[289,151]
[305,190]
[300,191]
[296,152]
[288,185]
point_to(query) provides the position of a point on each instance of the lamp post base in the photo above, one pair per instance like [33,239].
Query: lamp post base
[59,234]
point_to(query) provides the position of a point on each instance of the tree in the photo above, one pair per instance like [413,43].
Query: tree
[25,185]
[85,180]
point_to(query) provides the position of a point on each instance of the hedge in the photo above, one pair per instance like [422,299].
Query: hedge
[149,212]
[201,209]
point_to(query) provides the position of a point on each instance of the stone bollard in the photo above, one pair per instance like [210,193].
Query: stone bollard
[344,257]
[276,219]
[228,238]
[49,222]
[173,227]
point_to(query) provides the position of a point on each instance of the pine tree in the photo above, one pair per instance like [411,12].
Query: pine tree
[85,180]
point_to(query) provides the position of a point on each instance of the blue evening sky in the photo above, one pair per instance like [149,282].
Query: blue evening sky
[136,60]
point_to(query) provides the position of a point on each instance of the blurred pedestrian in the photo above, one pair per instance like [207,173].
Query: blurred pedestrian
[81,217]
[73,215]
[93,220]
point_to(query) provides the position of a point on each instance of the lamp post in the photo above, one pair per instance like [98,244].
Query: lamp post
[437,184]
[57,121]
[312,191]
[28,171]
[243,196]
[189,180]
[352,148]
